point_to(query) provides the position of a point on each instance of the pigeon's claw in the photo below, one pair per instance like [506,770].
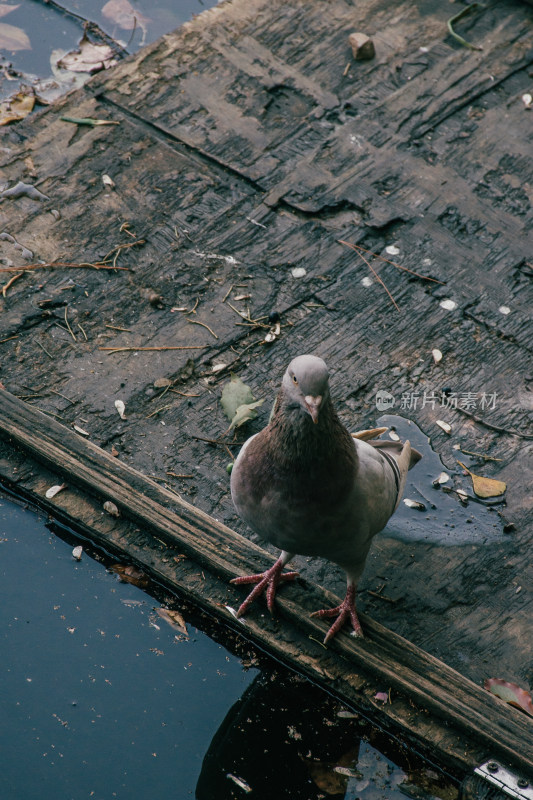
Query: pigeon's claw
[268,581]
[344,612]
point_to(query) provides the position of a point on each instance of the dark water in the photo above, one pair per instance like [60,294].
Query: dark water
[101,698]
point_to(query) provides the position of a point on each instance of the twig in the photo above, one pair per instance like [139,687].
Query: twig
[72,402]
[64,265]
[81,329]
[394,264]
[195,306]
[116,328]
[158,411]
[183,394]
[45,350]
[492,427]
[196,322]
[227,294]
[456,18]
[380,596]
[68,326]
[178,475]
[126,349]
[480,455]
[370,267]
[9,338]
[11,281]
[88,121]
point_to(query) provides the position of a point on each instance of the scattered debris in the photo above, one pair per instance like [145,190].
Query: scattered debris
[511,693]
[448,305]
[111,508]
[53,490]
[527,100]
[440,479]
[437,355]
[504,310]
[450,23]
[273,333]
[240,783]
[121,408]
[89,121]
[174,619]
[485,487]
[81,430]
[392,250]
[382,697]
[108,182]
[76,553]
[218,367]
[18,106]
[394,436]
[298,272]
[131,574]
[414,504]
[444,426]
[88,57]
[362,46]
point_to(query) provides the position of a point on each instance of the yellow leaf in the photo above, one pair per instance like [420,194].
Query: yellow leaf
[485,487]
[12,38]
[17,107]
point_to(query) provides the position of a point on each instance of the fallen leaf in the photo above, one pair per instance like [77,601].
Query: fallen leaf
[485,487]
[437,355]
[81,430]
[444,425]
[12,38]
[414,504]
[53,490]
[174,619]
[16,107]
[511,693]
[107,181]
[131,574]
[5,8]
[244,413]
[234,394]
[162,383]
[88,58]
[123,14]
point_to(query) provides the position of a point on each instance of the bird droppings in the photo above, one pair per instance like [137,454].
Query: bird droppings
[437,355]
[392,250]
[298,272]
[504,310]
[448,305]
[367,282]
[453,514]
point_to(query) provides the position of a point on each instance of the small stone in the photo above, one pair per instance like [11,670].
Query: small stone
[298,272]
[362,46]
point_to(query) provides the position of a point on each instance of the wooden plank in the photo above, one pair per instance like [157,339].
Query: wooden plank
[470,711]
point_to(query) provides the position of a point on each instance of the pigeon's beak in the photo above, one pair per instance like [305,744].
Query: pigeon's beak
[312,405]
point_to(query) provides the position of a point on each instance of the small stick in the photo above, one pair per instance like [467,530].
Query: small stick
[183,394]
[480,455]
[10,282]
[9,338]
[369,265]
[227,294]
[456,18]
[68,326]
[195,306]
[381,596]
[179,475]
[72,402]
[158,411]
[126,349]
[64,265]
[492,427]
[81,329]
[393,263]
[196,322]
[116,328]
[45,350]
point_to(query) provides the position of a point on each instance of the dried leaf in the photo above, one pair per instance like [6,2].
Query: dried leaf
[244,413]
[107,181]
[240,783]
[442,478]
[5,8]
[88,58]
[174,619]
[111,508]
[414,504]
[122,13]
[17,107]
[444,425]
[12,38]
[53,490]
[162,383]
[121,408]
[485,487]
[131,574]
[437,355]
[234,394]
[511,693]
[76,553]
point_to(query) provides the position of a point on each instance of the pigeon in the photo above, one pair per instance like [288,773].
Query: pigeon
[309,487]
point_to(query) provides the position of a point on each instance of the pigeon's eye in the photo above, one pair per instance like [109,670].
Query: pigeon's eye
[295,379]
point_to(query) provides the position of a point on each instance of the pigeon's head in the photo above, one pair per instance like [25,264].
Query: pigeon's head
[305,384]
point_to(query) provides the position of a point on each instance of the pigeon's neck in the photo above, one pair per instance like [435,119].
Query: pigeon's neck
[298,442]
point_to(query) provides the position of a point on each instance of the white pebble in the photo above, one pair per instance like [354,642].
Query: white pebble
[392,250]
[298,272]
[527,99]
[437,355]
[504,310]
[449,305]
[366,281]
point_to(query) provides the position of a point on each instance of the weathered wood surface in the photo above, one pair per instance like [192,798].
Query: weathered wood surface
[471,722]
[245,149]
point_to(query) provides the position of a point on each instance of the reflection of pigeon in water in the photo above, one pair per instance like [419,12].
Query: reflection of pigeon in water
[307,486]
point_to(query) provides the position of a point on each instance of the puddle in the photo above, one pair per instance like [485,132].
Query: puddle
[444,520]
[41,33]
[102,698]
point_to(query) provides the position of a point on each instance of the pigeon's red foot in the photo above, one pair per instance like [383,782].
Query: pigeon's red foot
[346,611]
[268,580]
